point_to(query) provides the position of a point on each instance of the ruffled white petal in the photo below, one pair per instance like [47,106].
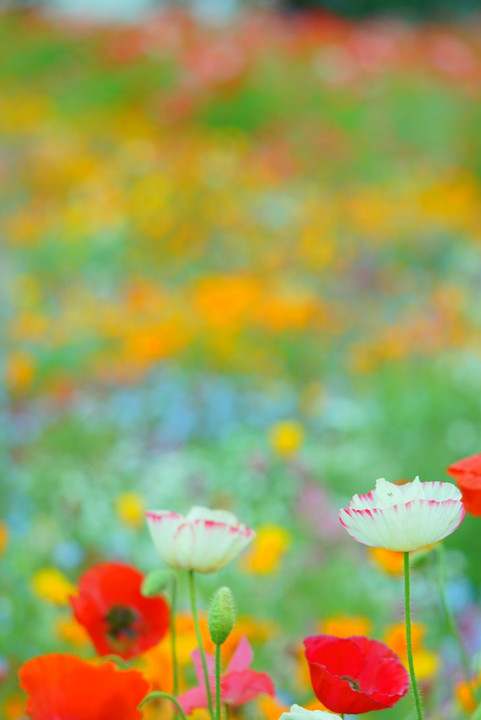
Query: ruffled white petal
[197,512]
[163,525]
[387,494]
[205,540]
[404,517]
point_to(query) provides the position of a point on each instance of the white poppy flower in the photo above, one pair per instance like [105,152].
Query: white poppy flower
[299,713]
[203,540]
[404,517]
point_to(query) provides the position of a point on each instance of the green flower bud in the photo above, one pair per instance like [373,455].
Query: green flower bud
[155,582]
[222,615]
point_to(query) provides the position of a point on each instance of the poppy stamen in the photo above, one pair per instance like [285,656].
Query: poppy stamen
[352,682]
[120,619]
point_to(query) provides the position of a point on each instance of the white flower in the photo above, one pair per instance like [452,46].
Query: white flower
[299,713]
[404,517]
[204,540]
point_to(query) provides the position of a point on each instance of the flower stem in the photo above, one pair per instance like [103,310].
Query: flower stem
[193,603]
[407,606]
[120,662]
[465,663]
[157,694]
[217,682]
[173,646]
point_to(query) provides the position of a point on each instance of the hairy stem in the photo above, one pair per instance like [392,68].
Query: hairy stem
[407,606]
[157,695]
[173,645]
[217,682]
[193,603]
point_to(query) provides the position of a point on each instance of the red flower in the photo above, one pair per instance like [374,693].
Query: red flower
[63,686]
[467,473]
[118,618]
[355,675]
[238,685]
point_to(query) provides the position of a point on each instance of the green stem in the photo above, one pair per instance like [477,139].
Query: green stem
[157,694]
[120,662]
[449,616]
[217,682]
[193,603]
[407,606]
[173,645]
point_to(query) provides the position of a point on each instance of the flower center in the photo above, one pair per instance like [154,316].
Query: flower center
[120,619]
[352,682]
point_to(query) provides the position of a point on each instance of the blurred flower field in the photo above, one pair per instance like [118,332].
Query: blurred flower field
[241,268]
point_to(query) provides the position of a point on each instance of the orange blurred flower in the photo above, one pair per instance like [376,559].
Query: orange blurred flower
[19,371]
[344,626]
[266,551]
[465,694]
[390,561]
[426,662]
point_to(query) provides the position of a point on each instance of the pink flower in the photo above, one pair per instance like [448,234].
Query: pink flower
[239,685]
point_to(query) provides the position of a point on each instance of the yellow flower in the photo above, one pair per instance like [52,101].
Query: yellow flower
[465,694]
[157,666]
[345,625]
[70,631]
[425,661]
[186,638]
[52,585]
[427,664]
[267,550]
[286,437]
[271,708]
[3,537]
[130,508]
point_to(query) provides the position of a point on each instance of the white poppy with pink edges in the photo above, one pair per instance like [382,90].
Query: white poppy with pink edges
[404,517]
[204,540]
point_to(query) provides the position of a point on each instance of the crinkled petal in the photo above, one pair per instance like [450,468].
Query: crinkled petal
[404,527]
[207,545]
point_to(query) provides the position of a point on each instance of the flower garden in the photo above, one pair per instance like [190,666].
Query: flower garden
[240,282]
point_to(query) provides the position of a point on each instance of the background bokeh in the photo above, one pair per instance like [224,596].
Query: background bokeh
[240,268]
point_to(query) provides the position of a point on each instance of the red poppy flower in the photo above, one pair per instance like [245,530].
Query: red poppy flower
[467,473]
[63,686]
[355,675]
[117,617]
